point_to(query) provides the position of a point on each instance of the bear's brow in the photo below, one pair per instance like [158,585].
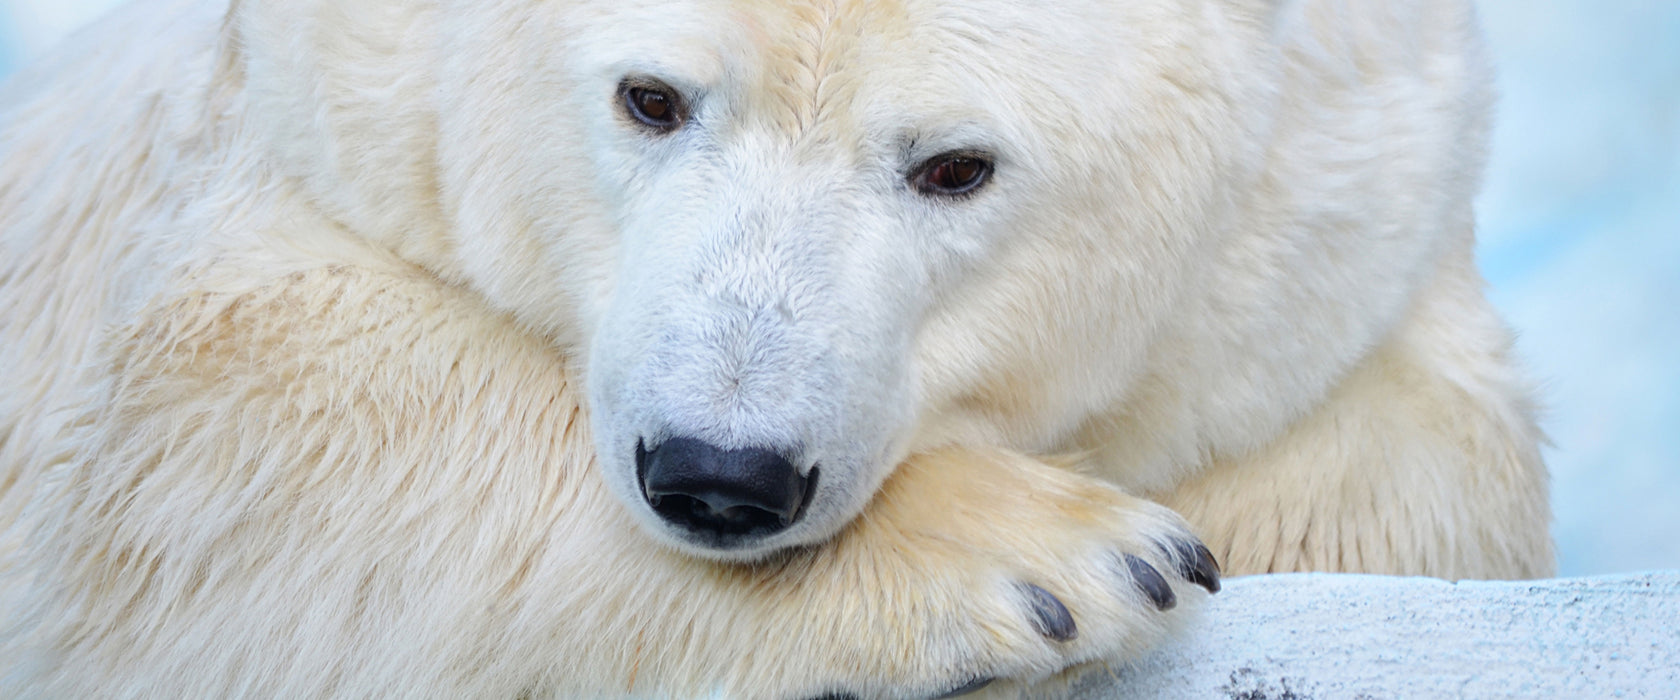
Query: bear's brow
[812,53]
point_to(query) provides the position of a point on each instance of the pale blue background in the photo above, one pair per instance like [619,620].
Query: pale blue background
[1580,240]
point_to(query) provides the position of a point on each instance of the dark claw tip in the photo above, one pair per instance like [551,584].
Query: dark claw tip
[1050,617]
[1151,583]
[1197,565]
[966,688]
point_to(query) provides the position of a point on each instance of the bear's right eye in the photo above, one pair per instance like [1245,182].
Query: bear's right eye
[953,174]
[654,104]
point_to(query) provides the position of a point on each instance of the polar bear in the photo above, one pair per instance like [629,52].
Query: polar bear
[731,348]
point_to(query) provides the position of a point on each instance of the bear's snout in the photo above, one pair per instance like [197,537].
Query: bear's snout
[725,497]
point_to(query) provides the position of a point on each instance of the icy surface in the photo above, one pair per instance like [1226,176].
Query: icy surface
[1296,637]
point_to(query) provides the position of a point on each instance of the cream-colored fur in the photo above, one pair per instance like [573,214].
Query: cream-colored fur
[326,326]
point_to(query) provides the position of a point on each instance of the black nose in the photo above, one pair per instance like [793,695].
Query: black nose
[718,492]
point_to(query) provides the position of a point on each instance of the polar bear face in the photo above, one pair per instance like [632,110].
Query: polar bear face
[790,242]
[793,241]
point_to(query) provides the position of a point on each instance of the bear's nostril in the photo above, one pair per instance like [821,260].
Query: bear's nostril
[720,493]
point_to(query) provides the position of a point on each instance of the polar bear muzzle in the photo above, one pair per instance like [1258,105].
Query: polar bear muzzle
[723,496]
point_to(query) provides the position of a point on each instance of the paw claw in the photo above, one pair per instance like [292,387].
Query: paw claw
[1151,582]
[1197,565]
[966,688]
[1050,617]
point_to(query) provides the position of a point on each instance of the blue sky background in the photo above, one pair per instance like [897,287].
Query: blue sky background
[1580,240]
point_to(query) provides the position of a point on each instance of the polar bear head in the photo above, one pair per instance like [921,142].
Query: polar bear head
[789,242]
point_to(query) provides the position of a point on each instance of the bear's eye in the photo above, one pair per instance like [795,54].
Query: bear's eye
[952,174]
[654,104]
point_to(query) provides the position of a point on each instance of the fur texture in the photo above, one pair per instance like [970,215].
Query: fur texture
[331,327]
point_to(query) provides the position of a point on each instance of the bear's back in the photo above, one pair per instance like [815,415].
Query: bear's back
[98,156]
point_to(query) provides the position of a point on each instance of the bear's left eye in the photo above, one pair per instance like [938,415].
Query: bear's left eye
[654,104]
[952,174]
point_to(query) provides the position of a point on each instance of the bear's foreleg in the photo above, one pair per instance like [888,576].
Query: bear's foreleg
[347,483]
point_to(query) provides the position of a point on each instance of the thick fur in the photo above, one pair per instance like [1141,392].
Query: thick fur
[329,328]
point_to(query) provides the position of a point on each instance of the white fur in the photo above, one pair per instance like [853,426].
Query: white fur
[331,327]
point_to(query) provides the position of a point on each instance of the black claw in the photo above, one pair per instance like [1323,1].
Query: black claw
[1197,565]
[1151,583]
[967,688]
[837,696]
[1050,617]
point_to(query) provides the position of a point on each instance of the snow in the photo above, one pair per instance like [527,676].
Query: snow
[1302,636]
